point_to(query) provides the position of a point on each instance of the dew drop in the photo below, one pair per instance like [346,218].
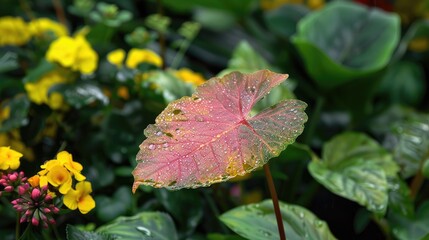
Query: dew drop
[151,147]
[199,119]
[197,99]
[144,230]
[159,133]
[165,145]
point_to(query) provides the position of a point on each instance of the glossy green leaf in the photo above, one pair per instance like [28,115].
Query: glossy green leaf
[414,227]
[143,226]
[109,208]
[283,20]
[218,236]
[412,143]
[8,61]
[74,233]
[170,86]
[177,202]
[19,107]
[80,94]
[346,41]
[404,83]
[356,167]
[400,200]
[258,222]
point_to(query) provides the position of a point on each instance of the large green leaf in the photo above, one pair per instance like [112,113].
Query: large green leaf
[410,228]
[346,41]
[109,208]
[145,225]
[400,200]
[283,20]
[356,167]
[258,222]
[74,233]
[403,83]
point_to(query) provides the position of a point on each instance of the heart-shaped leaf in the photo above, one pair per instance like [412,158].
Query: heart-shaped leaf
[356,167]
[211,137]
[258,222]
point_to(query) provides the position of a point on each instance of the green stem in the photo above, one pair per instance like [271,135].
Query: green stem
[273,194]
[416,184]
[162,43]
[179,55]
[59,11]
[18,225]
[384,227]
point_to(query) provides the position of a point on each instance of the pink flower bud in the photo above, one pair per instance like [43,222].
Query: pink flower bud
[55,210]
[8,188]
[48,198]
[14,202]
[21,190]
[23,219]
[35,194]
[13,176]
[46,210]
[28,212]
[52,221]
[35,221]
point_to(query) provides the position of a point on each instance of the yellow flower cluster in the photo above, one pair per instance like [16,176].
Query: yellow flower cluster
[135,57]
[60,173]
[4,113]
[38,92]
[189,76]
[9,159]
[13,31]
[74,53]
[45,27]
[273,4]
[16,32]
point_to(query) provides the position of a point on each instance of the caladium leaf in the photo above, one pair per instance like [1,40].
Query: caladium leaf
[211,136]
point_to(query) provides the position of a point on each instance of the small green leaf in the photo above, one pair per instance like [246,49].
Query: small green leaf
[258,222]
[170,86]
[8,61]
[425,169]
[108,208]
[245,59]
[41,69]
[406,228]
[145,225]
[346,41]
[74,233]
[80,94]
[19,106]
[419,28]
[356,167]
[399,197]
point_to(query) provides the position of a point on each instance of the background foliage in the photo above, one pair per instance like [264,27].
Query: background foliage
[360,167]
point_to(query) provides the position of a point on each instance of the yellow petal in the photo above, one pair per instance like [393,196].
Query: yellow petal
[86,204]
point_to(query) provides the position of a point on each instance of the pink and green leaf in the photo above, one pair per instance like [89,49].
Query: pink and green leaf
[211,136]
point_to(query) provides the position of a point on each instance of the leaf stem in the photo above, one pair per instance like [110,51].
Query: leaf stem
[416,184]
[59,11]
[384,226]
[273,194]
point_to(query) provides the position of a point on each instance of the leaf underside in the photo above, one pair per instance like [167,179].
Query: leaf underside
[211,137]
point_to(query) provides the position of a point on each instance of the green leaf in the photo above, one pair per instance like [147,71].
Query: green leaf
[237,7]
[418,29]
[8,61]
[346,41]
[111,207]
[176,202]
[145,225]
[400,200]
[19,106]
[411,150]
[74,233]
[35,74]
[403,83]
[406,228]
[170,86]
[258,222]
[218,236]
[283,20]
[80,94]
[245,59]
[356,167]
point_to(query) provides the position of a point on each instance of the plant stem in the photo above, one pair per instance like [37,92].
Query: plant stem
[384,227]
[416,184]
[18,225]
[161,36]
[59,11]
[273,194]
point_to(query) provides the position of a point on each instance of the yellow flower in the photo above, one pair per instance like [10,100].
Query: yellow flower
[45,27]
[9,159]
[190,76]
[75,53]
[4,113]
[56,101]
[75,168]
[420,44]
[38,91]
[123,92]
[116,57]
[137,56]
[80,198]
[13,31]
[13,139]
[273,4]
[59,176]
[34,180]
